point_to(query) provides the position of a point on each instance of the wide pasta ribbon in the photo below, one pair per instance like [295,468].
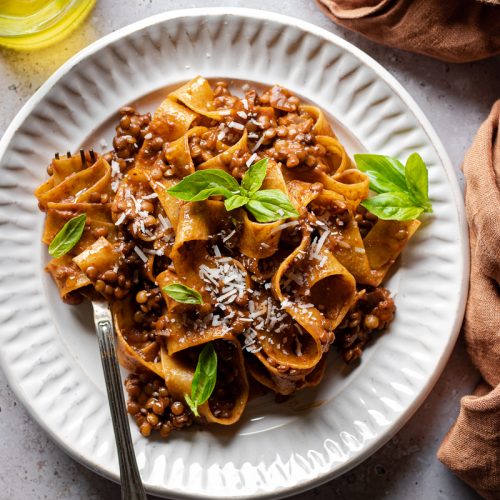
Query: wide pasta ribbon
[321,125]
[170,122]
[331,289]
[79,186]
[260,240]
[221,409]
[70,191]
[222,160]
[274,295]
[61,168]
[385,242]
[198,96]
[178,153]
[137,349]
[197,222]
[285,382]
[68,278]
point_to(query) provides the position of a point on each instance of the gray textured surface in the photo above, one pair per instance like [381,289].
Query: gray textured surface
[456,98]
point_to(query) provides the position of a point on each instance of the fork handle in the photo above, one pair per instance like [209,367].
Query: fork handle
[131,484]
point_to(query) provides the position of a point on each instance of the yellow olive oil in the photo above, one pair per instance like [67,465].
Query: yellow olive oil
[33,24]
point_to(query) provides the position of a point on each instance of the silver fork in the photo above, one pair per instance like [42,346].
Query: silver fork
[130,478]
[132,487]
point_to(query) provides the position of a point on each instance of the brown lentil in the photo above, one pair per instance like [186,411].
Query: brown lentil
[373,310]
[152,407]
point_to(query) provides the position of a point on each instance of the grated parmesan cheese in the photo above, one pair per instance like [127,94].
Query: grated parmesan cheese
[284,226]
[236,125]
[115,168]
[251,159]
[137,203]
[258,144]
[120,219]
[149,251]
[317,245]
[225,282]
[229,236]
[140,253]
[164,221]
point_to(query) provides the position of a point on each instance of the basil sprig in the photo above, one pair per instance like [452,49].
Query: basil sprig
[182,293]
[205,183]
[403,189]
[267,205]
[68,236]
[205,377]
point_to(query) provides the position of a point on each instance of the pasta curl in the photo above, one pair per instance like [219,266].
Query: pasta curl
[270,294]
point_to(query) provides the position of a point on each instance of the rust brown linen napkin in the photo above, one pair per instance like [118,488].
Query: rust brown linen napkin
[451,30]
[471,448]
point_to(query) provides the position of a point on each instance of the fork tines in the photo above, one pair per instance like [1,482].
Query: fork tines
[83,158]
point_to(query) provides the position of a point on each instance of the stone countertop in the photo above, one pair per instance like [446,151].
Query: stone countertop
[455,98]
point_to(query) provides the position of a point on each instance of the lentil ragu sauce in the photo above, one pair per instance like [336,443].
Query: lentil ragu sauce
[276,296]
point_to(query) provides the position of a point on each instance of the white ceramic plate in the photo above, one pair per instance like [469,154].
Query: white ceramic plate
[48,350]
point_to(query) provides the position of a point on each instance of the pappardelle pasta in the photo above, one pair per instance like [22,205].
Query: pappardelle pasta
[228,235]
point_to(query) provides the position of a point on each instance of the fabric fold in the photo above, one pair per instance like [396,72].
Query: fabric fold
[471,448]
[460,30]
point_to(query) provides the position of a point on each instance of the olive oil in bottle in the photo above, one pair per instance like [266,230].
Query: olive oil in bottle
[33,24]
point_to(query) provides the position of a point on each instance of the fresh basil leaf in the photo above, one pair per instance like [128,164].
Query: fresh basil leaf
[182,293]
[270,205]
[236,201]
[68,236]
[254,177]
[192,405]
[417,181]
[380,184]
[392,206]
[204,379]
[205,183]
[386,174]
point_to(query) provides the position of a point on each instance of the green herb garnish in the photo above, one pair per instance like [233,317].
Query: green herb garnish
[205,377]
[403,189]
[205,183]
[68,236]
[267,205]
[182,293]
